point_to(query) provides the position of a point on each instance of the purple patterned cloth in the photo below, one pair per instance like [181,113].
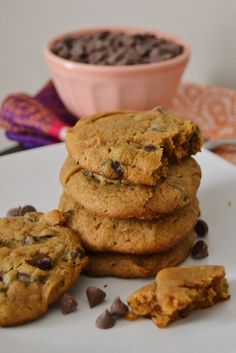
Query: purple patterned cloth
[35,121]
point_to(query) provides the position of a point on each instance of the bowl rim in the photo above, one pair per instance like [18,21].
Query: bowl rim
[106,69]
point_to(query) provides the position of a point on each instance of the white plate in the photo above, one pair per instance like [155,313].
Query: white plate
[31,177]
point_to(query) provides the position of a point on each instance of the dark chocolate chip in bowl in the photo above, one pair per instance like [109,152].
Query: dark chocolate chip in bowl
[140,48]
[149,148]
[154,55]
[105,320]
[95,296]
[42,261]
[171,48]
[68,304]
[26,209]
[200,250]
[119,308]
[201,228]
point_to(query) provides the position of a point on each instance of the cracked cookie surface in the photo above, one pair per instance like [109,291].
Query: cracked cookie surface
[132,146]
[116,199]
[40,258]
[105,234]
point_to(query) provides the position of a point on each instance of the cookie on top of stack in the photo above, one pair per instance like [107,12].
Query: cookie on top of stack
[130,187]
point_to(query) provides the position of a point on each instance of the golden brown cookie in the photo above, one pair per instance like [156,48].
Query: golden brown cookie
[132,146]
[40,259]
[133,236]
[178,291]
[138,266]
[101,196]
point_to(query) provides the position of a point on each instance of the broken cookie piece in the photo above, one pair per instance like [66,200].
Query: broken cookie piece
[178,291]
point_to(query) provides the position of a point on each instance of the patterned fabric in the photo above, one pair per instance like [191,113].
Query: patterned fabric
[36,121]
[213,108]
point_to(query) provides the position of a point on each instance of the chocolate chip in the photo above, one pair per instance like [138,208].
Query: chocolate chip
[201,228]
[112,169]
[105,320]
[44,237]
[154,55]
[42,261]
[42,279]
[149,148]
[95,296]
[107,48]
[171,48]
[68,304]
[200,250]
[77,252]
[119,308]
[14,212]
[20,211]
[97,57]
[26,209]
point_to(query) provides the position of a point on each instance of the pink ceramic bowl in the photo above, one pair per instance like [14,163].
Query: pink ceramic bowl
[88,89]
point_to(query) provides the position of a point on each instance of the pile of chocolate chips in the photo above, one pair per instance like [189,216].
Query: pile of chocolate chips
[106,48]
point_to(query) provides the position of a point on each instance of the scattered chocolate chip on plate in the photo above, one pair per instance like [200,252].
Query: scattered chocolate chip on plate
[95,296]
[200,250]
[105,320]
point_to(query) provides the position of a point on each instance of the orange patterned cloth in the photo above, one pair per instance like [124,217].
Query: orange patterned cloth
[213,108]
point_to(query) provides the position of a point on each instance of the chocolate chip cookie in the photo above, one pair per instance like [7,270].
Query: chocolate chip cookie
[40,258]
[105,234]
[138,266]
[132,146]
[116,199]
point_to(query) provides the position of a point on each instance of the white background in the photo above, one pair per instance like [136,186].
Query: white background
[26,25]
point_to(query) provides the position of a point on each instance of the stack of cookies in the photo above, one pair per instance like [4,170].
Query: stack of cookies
[130,189]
